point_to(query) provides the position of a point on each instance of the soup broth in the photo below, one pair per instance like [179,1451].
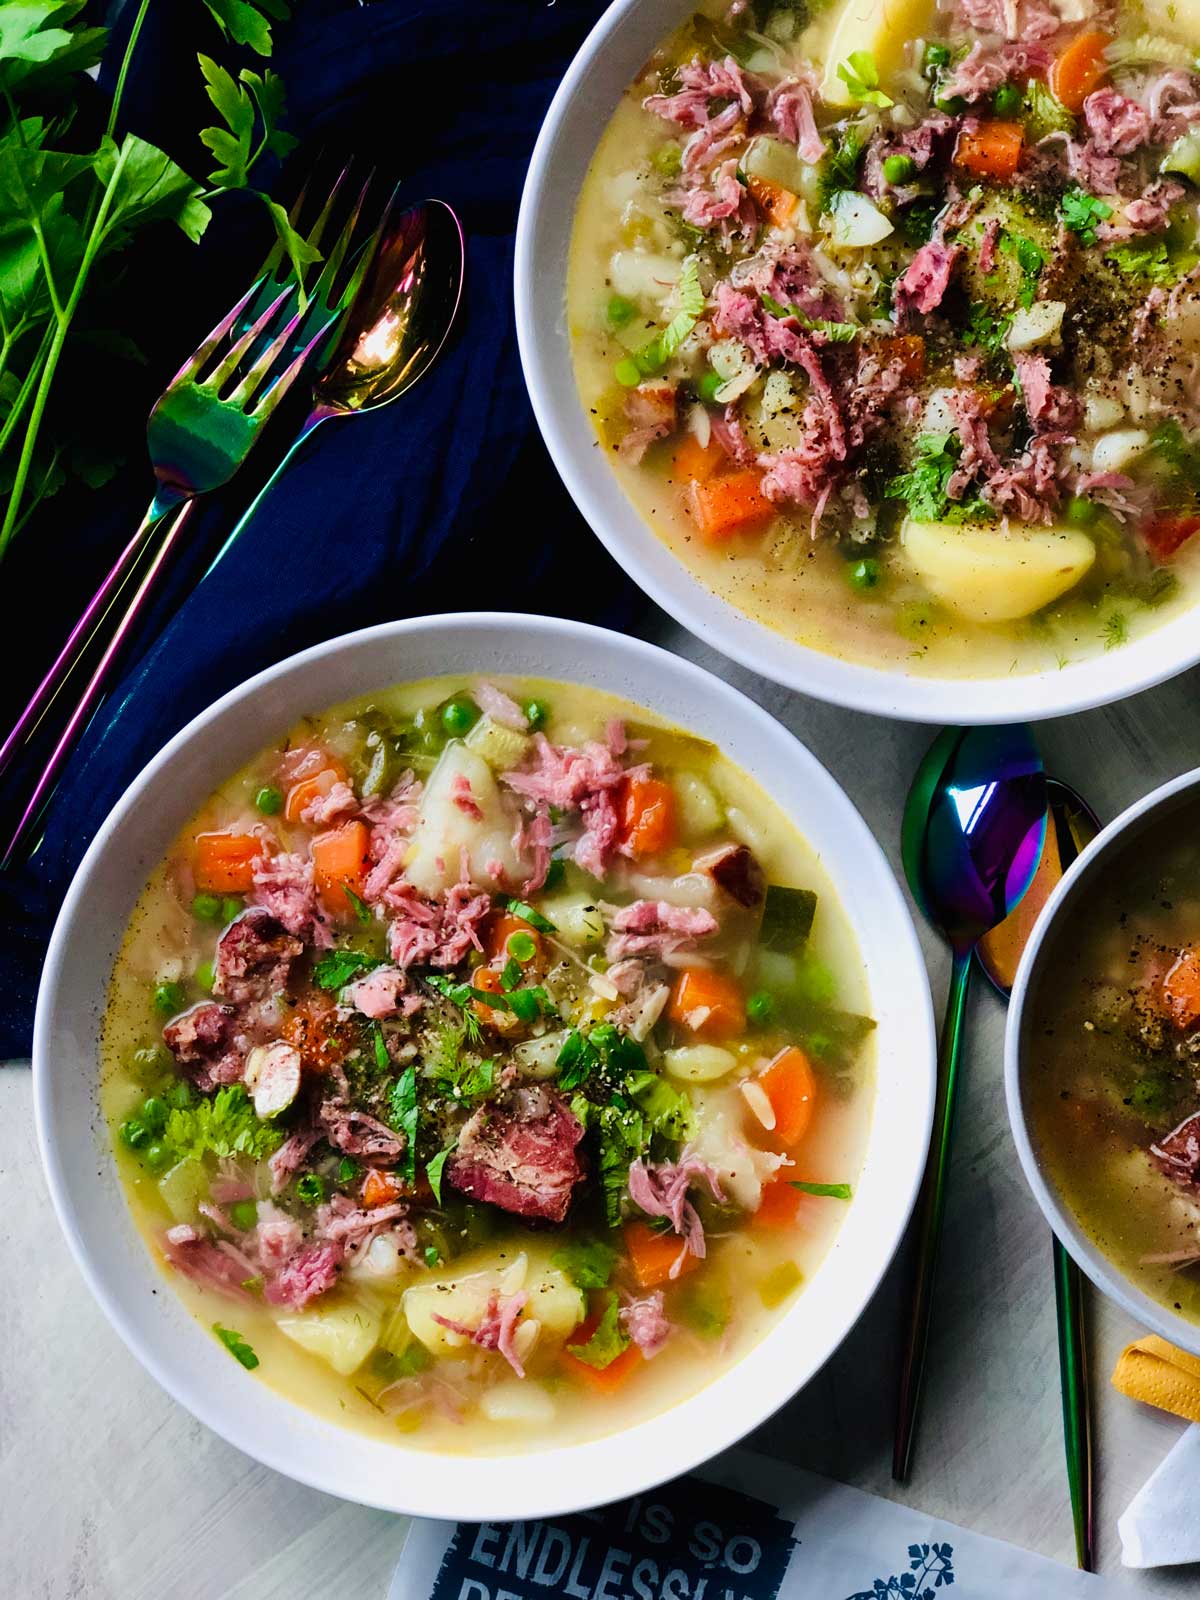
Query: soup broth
[903,365]
[1110,1061]
[488,1064]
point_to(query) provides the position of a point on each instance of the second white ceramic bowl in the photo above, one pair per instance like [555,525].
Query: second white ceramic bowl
[182,1354]
[608,61]
[1142,818]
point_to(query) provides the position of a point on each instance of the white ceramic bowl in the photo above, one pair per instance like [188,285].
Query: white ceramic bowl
[1143,817]
[608,61]
[182,1354]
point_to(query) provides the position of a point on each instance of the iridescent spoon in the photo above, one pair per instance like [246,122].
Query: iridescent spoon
[971,840]
[1073,826]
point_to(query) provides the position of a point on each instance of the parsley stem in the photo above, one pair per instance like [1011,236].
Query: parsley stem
[17,410]
[62,328]
[119,90]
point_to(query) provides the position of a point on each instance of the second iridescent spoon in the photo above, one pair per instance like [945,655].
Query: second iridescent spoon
[1073,826]
[971,839]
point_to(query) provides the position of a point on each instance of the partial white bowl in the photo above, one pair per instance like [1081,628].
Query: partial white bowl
[1141,819]
[181,1353]
[607,62]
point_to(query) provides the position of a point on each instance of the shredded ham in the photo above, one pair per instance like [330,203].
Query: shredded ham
[646,1323]
[340,802]
[501,707]
[497,1329]
[923,283]
[311,1272]
[789,110]
[657,928]
[662,1191]
[283,886]
[438,933]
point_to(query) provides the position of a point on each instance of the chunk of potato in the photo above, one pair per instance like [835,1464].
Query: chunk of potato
[988,575]
[344,1335]
[576,918]
[444,829]
[502,748]
[552,1299]
[882,27]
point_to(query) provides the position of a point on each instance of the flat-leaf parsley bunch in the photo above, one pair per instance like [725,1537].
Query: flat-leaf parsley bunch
[63,209]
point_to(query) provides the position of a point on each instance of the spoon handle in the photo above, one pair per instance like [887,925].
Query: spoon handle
[931,1208]
[1073,1372]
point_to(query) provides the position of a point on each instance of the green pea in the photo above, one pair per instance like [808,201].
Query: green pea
[537,714]
[150,1062]
[269,800]
[627,373]
[459,715]
[668,158]
[156,1157]
[169,998]
[619,311]
[708,385]
[204,976]
[521,947]
[1007,100]
[864,574]
[937,55]
[206,907]
[1081,511]
[952,104]
[231,906]
[244,1214]
[136,1134]
[899,168]
[760,1007]
[155,1113]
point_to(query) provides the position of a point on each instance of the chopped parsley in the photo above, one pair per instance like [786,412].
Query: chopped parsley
[433,1172]
[622,1136]
[1151,263]
[311,1188]
[225,1125]
[861,77]
[587,1262]
[525,1004]
[923,486]
[831,1191]
[608,1339]
[835,332]
[467,1080]
[379,1044]
[528,914]
[361,909]
[336,968]
[1030,259]
[237,1346]
[602,1050]
[1082,213]
[839,169]
[403,1101]
[986,330]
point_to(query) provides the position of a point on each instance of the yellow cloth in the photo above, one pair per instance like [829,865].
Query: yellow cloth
[1152,1370]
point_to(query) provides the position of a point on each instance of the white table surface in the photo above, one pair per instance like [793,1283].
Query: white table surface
[110,1491]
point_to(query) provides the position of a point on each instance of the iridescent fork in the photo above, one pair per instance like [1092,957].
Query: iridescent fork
[200,432]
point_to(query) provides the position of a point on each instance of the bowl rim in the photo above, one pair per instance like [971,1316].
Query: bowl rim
[566,1486]
[1102,1271]
[544,345]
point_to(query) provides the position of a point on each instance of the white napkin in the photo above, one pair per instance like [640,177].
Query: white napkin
[1160,1528]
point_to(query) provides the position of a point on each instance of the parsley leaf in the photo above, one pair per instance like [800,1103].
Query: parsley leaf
[608,1339]
[1081,212]
[622,1136]
[832,1191]
[985,330]
[405,1116]
[835,332]
[336,968]
[1151,263]
[861,77]
[379,1046]
[434,1169]
[587,1262]
[243,21]
[653,357]
[528,914]
[225,1125]
[923,487]
[1031,261]
[668,1110]
[237,1346]
[359,906]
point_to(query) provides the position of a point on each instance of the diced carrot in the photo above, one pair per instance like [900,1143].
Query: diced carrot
[603,1379]
[776,202]
[340,858]
[707,1003]
[646,807]
[312,788]
[224,861]
[1164,535]
[500,931]
[992,150]
[904,349]
[699,461]
[1181,989]
[779,1205]
[487,979]
[380,1189]
[728,504]
[1079,68]
[790,1084]
[652,1255]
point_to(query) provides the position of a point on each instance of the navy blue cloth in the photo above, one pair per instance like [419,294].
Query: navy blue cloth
[443,501]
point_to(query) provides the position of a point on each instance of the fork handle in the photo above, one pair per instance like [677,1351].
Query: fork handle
[80,636]
[95,687]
